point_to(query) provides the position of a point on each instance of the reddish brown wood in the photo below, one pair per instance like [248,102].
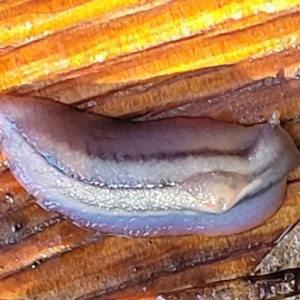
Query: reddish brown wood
[231,60]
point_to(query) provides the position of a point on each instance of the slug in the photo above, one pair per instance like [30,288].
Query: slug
[177,176]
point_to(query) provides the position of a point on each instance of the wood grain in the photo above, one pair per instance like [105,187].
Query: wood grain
[230,60]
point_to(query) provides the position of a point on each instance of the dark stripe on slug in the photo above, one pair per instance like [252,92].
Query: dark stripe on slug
[204,152]
[242,153]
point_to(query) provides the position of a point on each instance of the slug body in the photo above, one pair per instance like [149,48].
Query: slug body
[167,177]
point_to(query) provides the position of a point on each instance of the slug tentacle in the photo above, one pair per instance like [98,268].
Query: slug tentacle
[165,177]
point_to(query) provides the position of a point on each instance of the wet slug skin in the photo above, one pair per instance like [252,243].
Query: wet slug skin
[167,177]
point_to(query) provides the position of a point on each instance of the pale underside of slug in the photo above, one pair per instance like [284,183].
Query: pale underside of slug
[167,177]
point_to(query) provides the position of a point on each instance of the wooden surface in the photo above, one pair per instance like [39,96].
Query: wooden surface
[230,60]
